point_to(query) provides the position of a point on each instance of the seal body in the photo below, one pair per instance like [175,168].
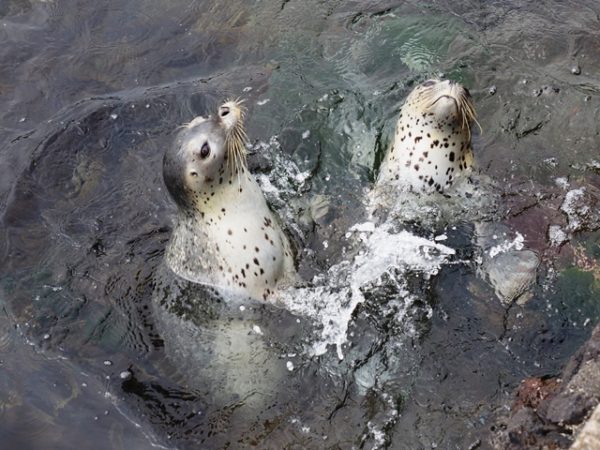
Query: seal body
[432,141]
[226,236]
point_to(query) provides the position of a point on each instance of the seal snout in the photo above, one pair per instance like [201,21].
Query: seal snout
[231,114]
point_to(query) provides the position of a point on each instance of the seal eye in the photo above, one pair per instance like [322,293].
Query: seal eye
[205,150]
[428,83]
[224,111]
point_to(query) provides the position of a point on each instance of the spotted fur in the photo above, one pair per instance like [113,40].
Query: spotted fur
[226,235]
[432,141]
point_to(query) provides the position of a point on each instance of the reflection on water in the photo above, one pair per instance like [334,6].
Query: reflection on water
[91,94]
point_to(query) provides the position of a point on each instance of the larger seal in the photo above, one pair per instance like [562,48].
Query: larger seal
[432,142]
[226,236]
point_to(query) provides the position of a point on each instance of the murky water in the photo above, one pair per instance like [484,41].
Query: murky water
[91,93]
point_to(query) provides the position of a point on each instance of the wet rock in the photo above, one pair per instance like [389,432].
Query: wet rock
[547,412]
[511,273]
[582,207]
[508,267]
[533,391]
[525,431]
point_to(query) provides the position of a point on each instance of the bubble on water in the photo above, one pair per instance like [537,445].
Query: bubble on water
[576,69]
[113,116]
[108,363]
[126,375]
[289,365]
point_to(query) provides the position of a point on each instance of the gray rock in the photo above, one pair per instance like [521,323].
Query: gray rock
[589,436]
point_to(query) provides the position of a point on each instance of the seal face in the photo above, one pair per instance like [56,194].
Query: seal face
[226,235]
[432,142]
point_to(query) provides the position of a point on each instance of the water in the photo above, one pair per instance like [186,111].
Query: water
[91,94]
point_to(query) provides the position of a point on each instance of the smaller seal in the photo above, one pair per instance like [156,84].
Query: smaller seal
[432,142]
[226,236]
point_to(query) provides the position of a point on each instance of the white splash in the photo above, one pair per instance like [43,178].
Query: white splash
[336,294]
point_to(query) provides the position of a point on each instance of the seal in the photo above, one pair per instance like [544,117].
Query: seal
[432,142]
[226,236]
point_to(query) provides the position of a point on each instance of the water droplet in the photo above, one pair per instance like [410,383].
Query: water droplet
[492,90]
[108,363]
[576,70]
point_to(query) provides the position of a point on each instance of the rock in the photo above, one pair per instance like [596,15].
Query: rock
[511,274]
[589,436]
[547,410]
[582,207]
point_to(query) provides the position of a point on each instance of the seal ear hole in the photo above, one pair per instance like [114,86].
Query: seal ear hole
[224,111]
[205,150]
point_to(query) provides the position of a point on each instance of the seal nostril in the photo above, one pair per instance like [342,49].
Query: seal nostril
[224,111]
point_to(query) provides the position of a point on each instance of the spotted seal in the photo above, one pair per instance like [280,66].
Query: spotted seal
[226,236]
[432,142]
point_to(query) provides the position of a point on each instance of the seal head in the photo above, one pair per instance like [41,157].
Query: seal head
[432,142]
[226,235]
